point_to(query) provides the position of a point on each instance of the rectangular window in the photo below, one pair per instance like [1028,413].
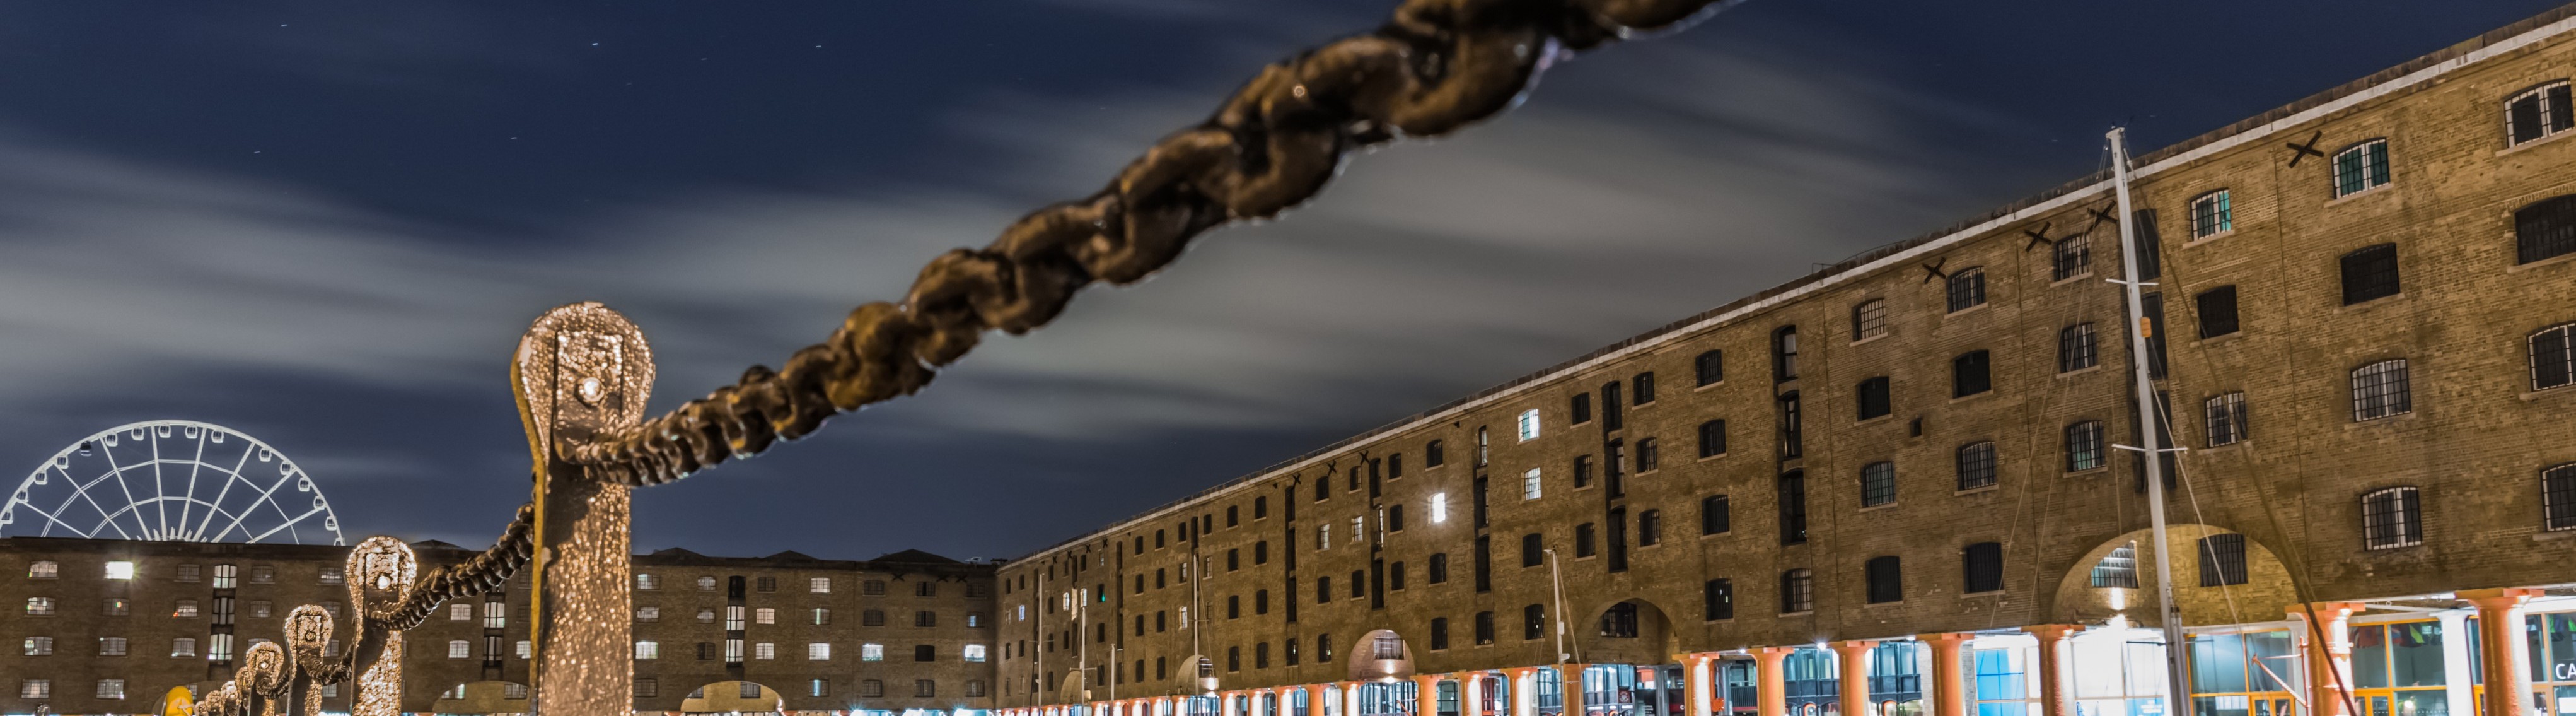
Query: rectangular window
[2211,215]
[1713,517]
[2070,257]
[818,651]
[1529,425]
[1793,507]
[819,585]
[1869,319]
[2391,519]
[111,646]
[872,688]
[1982,568]
[2225,416]
[1484,628]
[2075,348]
[2222,560]
[2370,273]
[1533,621]
[644,650]
[764,651]
[1709,367]
[1797,591]
[1712,438]
[872,652]
[1439,633]
[2380,390]
[1532,553]
[1439,508]
[2538,112]
[1641,389]
[1874,398]
[2217,309]
[2361,167]
[1649,454]
[1792,440]
[1583,540]
[1530,484]
[2558,499]
[111,688]
[647,582]
[1717,600]
[1976,465]
[1885,579]
[1877,484]
[1971,373]
[2084,446]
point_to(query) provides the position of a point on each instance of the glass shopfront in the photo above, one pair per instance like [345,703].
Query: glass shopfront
[2244,674]
[2004,673]
[2118,672]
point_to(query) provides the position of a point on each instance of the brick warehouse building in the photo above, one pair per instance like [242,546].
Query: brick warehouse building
[109,626]
[1894,485]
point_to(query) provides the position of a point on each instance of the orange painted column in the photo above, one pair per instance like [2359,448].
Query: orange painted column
[2501,652]
[1572,676]
[1771,684]
[1471,698]
[1426,694]
[1698,671]
[2329,660]
[1522,698]
[1949,694]
[1852,668]
[2053,699]
[1315,700]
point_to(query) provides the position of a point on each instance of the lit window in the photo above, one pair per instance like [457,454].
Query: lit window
[462,649]
[460,612]
[44,607]
[2558,497]
[120,570]
[183,646]
[1529,425]
[872,652]
[1530,484]
[764,651]
[648,614]
[36,689]
[186,608]
[44,569]
[40,646]
[227,576]
[647,582]
[643,650]
[496,614]
[764,615]
[1439,507]
[974,652]
[111,646]
[2211,215]
[820,585]
[111,688]
[525,649]
[1359,529]
[2361,167]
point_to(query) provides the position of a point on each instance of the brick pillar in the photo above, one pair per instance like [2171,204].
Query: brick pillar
[1852,667]
[1770,685]
[1572,675]
[2054,700]
[1949,695]
[2501,652]
[2330,660]
[1698,670]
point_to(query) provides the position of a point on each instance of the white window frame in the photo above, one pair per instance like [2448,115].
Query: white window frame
[460,611]
[2222,207]
[2546,111]
[974,652]
[819,585]
[2409,538]
[764,615]
[764,651]
[1529,426]
[648,650]
[462,649]
[1532,486]
[872,652]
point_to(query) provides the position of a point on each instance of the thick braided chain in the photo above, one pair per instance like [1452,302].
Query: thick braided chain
[476,575]
[1436,66]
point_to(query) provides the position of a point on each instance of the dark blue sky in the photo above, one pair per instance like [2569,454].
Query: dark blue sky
[325,224]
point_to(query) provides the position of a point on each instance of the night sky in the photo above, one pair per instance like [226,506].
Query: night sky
[325,223]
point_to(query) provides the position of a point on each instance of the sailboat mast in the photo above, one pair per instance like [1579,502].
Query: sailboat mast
[2169,614]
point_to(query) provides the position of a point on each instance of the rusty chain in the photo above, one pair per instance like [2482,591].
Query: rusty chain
[1435,67]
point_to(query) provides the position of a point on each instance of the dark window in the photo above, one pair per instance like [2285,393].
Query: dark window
[1323,648]
[1877,484]
[1710,366]
[1439,633]
[2084,446]
[1394,466]
[1359,583]
[1869,319]
[925,652]
[2217,309]
[1233,606]
[2070,257]
[1323,488]
[2380,390]
[1712,438]
[1261,601]
[1713,518]
[2118,569]
[2222,560]
[2150,246]
[1874,400]
[1610,406]
[1642,388]
[1484,627]
[1717,600]
[1438,571]
[2553,357]
[1797,591]
[1433,454]
[1650,527]
[2369,273]
[1976,465]
[2360,167]
[2546,228]
[1784,353]
[1323,590]
[1484,564]
[1982,568]
[1582,471]
[2558,497]
[2391,518]
[1261,655]
[1530,550]
[1583,541]
[1234,658]
[1533,621]
[2538,112]
[1580,410]
[1477,497]
[1233,559]
[1260,507]
[1620,621]
[1394,518]
[1967,288]
[1793,507]
[2225,416]
[2152,307]
[1395,575]
[1648,454]
[1260,553]
[1232,517]
[1791,442]
[1971,373]
[1886,578]
[2075,348]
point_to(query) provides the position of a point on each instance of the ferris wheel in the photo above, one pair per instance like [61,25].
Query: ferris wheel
[171,480]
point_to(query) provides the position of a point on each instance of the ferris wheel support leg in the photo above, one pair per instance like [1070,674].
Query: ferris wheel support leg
[581,369]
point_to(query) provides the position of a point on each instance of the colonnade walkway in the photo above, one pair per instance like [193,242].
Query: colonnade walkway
[2399,659]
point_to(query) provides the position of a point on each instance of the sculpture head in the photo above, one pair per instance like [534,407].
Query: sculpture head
[380,572]
[581,368]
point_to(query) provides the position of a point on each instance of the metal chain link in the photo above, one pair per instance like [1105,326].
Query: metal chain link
[481,573]
[1436,66]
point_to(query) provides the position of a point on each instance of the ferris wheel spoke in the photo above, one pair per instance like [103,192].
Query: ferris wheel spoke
[49,517]
[196,465]
[227,491]
[119,472]
[267,496]
[81,490]
[158,489]
[289,523]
